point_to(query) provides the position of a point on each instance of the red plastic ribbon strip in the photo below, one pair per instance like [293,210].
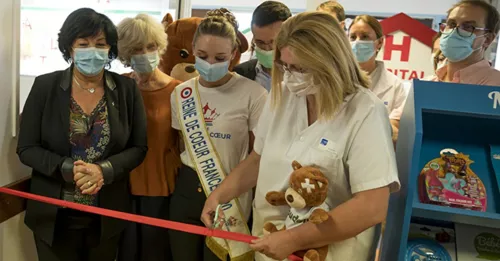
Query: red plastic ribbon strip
[187,228]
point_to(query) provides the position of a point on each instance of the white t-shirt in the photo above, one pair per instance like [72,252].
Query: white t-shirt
[354,151]
[297,217]
[231,112]
[390,89]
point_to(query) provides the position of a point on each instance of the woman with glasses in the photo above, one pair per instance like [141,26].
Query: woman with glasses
[367,38]
[322,114]
[215,114]
[83,131]
[469,30]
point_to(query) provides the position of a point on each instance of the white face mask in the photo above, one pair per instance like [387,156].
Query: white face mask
[300,84]
[440,64]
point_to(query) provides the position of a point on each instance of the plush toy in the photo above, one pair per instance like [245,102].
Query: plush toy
[178,60]
[306,197]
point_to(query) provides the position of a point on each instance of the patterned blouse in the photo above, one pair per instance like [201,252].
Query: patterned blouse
[89,136]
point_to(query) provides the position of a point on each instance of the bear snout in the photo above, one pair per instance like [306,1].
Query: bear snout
[294,199]
[190,69]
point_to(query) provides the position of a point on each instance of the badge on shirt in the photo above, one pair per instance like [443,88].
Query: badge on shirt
[386,103]
[326,145]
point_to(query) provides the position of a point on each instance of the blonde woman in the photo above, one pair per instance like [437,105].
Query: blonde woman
[141,41]
[367,38]
[321,113]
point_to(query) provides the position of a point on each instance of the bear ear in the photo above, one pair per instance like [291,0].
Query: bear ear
[167,20]
[296,165]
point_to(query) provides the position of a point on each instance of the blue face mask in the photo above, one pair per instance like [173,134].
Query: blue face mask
[211,72]
[456,47]
[145,63]
[90,61]
[363,50]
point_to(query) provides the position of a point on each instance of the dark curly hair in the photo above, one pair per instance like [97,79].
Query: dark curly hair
[86,22]
[219,22]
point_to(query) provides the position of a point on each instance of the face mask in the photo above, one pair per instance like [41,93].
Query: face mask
[433,58]
[90,61]
[211,72]
[266,58]
[456,47]
[441,64]
[300,84]
[363,50]
[145,63]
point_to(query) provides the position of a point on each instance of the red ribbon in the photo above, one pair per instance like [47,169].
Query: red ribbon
[192,229]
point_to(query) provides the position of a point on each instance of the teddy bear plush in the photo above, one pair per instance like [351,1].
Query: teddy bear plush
[178,59]
[306,197]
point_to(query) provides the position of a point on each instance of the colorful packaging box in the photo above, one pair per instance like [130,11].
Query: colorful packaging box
[477,243]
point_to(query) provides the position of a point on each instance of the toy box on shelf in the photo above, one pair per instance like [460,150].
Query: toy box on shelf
[445,123]
[426,241]
[477,243]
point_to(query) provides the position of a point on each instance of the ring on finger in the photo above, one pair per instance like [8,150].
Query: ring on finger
[89,184]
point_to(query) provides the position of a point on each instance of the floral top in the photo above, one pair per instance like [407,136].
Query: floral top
[89,136]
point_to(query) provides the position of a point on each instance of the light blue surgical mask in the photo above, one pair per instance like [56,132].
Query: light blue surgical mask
[456,47]
[90,61]
[363,50]
[145,63]
[211,72]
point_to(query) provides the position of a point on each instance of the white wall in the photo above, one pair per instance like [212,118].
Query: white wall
[235,5]
[428,8]
[25,82]
[16,241]
[411,7]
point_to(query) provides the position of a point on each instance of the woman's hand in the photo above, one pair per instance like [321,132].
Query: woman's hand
[208,212]
[278,245]
[88,177]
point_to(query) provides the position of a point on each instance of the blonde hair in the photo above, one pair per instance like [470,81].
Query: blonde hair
[331,62]
[372,22]
[138,32]
[219,22]
[333,7]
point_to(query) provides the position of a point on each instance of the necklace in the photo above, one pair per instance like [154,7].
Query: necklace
[91,90]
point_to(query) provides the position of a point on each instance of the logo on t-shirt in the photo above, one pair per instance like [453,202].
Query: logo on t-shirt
[210,115]
[296,219]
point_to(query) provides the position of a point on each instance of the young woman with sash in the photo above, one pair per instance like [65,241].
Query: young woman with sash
[215,114]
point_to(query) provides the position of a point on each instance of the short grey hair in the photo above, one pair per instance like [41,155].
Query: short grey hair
[137,32]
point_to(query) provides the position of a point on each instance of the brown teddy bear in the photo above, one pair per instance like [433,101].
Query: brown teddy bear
[178,59]
[306,197]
